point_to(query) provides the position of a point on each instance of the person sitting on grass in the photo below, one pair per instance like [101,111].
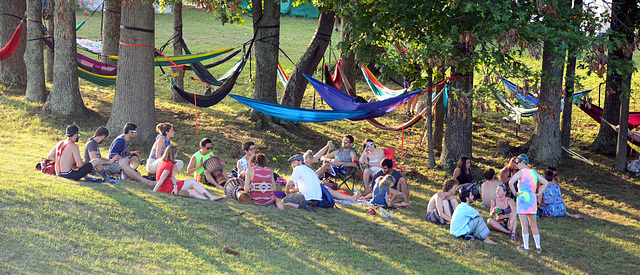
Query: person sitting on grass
[259,182]
[488,188]
[527,203]
[384,195]
[92,152]
[503,213]
[370,156]
[242,164]
[506,173]
[196,164]
[118,149]
[163,140]
[462,173]
[339,161]
[303,185]
[468,222]
[167,183]
[442,204]
[66,155]
[400,184]
[551,203]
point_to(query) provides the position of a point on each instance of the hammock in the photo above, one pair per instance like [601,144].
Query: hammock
[12,45]
[595,112]
[186,58]
[102,80]
[379,90]
[284,79]
[90,45]
[96,67]
[517,111]
[633,137]
[340,101]
[204,74]
[295,114]
[334,80]
[529,101]
[225,88]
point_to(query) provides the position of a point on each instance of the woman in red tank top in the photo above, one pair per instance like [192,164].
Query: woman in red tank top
[167,183]
[259,182]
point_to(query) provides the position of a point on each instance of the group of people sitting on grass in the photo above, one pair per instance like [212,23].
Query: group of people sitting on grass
[384,186]
[519,190]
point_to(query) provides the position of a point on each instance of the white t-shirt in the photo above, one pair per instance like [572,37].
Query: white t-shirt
[307,181]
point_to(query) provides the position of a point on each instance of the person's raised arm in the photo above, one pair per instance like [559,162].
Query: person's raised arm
[239,166]
[163,177]
[322,151]
[364,158]
[159,146]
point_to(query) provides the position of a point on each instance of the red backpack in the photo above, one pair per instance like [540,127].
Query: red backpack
[46,166]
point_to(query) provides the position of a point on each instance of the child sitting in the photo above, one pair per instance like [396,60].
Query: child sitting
[551,203]
[384,195]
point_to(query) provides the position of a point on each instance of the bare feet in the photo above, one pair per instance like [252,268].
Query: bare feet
[489,241]
[575,216]
[355,196]
[212,197]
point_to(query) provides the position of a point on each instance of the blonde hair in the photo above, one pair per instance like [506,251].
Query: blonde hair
[387,180]
[308,155]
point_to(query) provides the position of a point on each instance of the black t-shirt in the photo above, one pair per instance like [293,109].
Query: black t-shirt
[92,145]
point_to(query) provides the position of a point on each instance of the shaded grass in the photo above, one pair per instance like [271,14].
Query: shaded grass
[51,225]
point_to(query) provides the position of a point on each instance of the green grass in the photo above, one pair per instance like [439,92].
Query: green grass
[51,225]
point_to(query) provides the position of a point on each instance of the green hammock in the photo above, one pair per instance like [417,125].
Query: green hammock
[102,80]
[379,90]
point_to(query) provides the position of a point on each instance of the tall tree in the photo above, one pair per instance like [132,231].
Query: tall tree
[266,27]
[135,95]
[65,98]
[309,61]
[570,79]
[178,75]
[34,57]
[110,29]
[625,15]
[48,12]
[13,72]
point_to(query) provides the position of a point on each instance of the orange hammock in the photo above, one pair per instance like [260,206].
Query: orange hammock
[8,49]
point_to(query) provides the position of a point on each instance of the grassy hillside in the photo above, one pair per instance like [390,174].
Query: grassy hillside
[51,225]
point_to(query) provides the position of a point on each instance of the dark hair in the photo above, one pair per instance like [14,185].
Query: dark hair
[204,142]
[350,138]
[259,159]
[247,145]
[369,140]
[464,195]
[101,131]
[462,163]
[170,154]
[548,174]
[387,162]
[129,127]
[163,128]
[489,173]
[448,184]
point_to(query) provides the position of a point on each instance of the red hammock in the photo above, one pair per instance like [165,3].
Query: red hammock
[595,112]
[8,49]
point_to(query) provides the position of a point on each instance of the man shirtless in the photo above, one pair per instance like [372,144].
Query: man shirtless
[66,155]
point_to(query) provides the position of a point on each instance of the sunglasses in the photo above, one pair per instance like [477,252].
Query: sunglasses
[134,131]
[208,148]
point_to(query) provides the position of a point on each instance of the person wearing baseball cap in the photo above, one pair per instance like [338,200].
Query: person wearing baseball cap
[303,185]
[527,203]
[66,155]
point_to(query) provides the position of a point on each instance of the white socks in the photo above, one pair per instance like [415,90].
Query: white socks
[525,239]
[536,238]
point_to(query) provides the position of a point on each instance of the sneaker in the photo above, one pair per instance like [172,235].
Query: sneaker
[92,179]
[538,250]
[304,205]
[113,181]
[522,249]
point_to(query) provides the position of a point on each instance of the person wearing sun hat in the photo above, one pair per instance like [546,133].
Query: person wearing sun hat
[527,203]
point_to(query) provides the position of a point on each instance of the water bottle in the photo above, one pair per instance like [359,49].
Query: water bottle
[496,212]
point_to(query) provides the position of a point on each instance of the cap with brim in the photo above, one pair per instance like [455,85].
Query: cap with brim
[72,130]
[296,157]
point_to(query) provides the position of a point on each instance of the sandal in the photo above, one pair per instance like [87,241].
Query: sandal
[514,236]
[373,212]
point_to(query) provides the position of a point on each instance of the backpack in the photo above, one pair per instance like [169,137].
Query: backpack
[327,200]
[46,166]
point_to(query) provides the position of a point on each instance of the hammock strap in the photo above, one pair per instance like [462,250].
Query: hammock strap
[195,99]
[94,11]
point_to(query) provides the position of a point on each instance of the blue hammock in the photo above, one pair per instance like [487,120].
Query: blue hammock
[529,101]
[340,101]
[295,114]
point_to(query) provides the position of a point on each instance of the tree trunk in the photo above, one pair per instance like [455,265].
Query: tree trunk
[458,136]
[431,147]
[546,148]
[34,56]
[349,66]
[569,90]
[50,10]
[266,27]
[111,30]
[134,96]
[178,75]
[65,98]
[438,116]
[628,11]
[309,61]
[13,72]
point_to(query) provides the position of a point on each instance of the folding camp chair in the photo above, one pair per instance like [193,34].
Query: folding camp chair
[390,153]
[349,180]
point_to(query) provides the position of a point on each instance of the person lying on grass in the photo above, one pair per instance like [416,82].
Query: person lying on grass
[167,183]
[259,182]
[503,213]
[442,204]
[527,203]
[551,203]
[66,155]
[468,222]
